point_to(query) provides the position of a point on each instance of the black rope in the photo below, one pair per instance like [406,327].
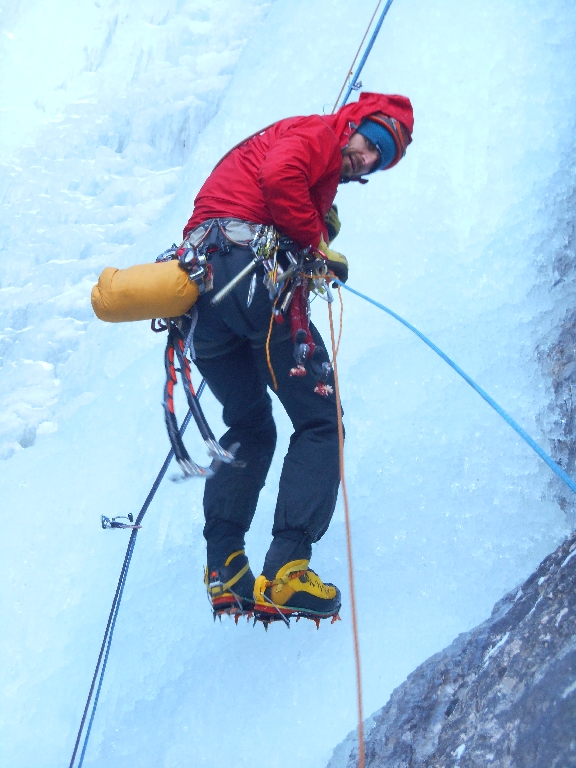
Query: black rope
[109,631]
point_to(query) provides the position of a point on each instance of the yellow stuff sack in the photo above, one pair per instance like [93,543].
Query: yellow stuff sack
[143,292]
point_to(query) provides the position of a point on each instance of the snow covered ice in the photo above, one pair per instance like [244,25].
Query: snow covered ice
[112,114]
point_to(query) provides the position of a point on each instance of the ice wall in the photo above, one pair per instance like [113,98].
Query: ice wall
[113,120]
[109,102]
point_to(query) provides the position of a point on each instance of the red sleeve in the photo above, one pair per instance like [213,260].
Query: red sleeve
[297,163]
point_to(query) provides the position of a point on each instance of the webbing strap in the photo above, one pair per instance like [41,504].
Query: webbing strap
[217,588]
[232,556]
[234,579]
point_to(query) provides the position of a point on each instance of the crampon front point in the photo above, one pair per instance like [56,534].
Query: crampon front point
[267,616]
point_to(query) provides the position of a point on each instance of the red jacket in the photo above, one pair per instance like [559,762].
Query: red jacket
[288,175]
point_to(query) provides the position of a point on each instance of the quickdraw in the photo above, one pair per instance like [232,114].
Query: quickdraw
[305,348]
[193,260]
[264,246]
[312,277]
[289,286]
[112,522]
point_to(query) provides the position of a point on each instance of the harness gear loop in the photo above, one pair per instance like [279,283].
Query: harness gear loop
[264,246]
[268,358]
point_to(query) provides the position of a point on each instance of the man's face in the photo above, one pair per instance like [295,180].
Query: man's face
[358,157]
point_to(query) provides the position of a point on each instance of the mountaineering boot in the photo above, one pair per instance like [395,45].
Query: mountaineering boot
[296,591]
[231,586]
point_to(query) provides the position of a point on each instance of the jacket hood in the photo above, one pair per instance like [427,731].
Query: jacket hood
[345,121]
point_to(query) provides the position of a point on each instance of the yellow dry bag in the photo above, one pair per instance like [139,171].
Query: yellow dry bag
[143,292]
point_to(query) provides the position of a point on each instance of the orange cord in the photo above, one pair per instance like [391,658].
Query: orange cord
[335,348]
[341,322]
[268,360]
[348,545]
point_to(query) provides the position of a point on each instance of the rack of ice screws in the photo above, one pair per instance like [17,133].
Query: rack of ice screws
[290,275]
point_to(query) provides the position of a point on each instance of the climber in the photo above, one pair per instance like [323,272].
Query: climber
[286,176]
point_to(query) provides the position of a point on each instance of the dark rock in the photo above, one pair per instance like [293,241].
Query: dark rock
[556,350]
[502,695]
[557,356]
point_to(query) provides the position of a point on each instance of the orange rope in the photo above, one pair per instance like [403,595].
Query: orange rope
[341,322]
[335,348]
[349,547]
[268,360]
[350,71]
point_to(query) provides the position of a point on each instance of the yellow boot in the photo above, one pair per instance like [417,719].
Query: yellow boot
[296,591]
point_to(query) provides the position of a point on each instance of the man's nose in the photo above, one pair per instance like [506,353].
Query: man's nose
[369,158]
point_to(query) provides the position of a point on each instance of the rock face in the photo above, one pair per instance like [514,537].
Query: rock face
[557,356]
[502,695]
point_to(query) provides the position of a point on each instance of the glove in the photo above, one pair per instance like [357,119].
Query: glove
[332,223]
[336,262]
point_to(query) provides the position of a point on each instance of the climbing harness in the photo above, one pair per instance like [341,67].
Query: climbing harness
[288,281]
[264,245]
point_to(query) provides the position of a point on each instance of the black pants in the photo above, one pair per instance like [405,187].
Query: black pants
[230,344]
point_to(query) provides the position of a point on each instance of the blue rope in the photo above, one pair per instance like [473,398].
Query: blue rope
[109,632]
[353,86]
[500,411]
